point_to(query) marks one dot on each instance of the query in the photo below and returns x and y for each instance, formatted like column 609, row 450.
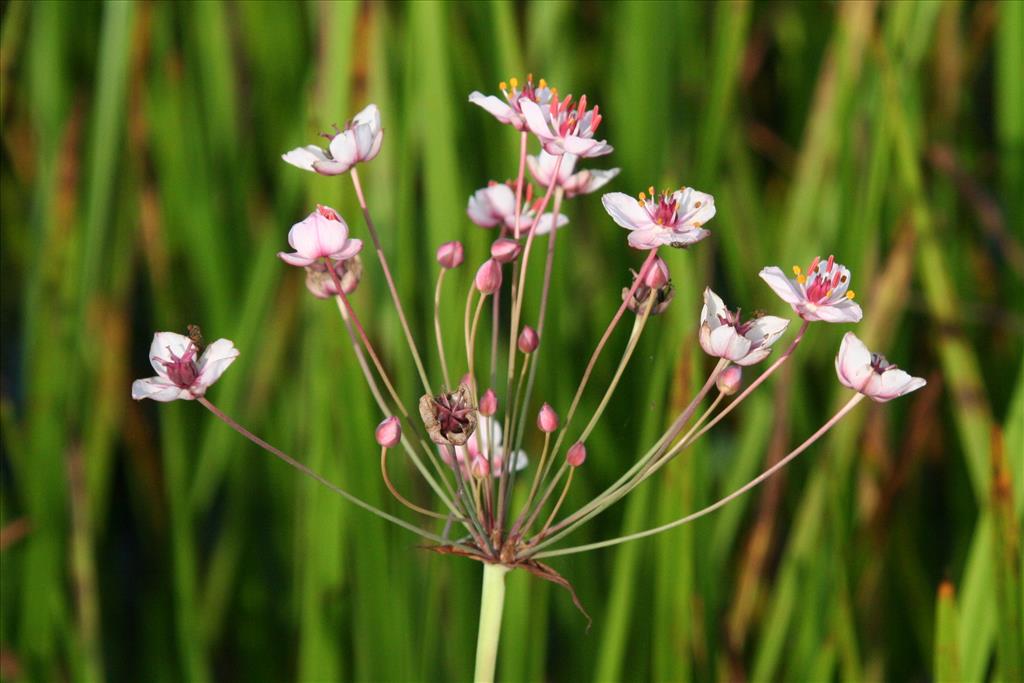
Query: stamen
column 542, row 84
column 503, row 86
column 514, row 82
column 696, row 205
column 650, row 190
column 642, row 197
column 796, row 270
column 801, row 279
column 850, row 294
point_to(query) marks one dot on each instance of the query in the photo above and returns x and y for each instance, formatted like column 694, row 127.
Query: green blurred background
column 143, row 190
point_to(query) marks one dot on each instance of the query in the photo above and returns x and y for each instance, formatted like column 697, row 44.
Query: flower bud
column 505, row 250
column 730, row 380
column 450, row 255
column 488, row 403
column 480, row 467
column 488, row 277
column 577, row 454
column 657, row 275
column 389, row 432
column 528, row 340
column 547, row 419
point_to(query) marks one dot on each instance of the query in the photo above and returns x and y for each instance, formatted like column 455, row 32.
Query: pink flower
column 576, row 454
column 565, row 127
column 730, row 381
column 509, row 111
column 476, row 454
column 870, row 373
column 586, row 181
column 528, row 340
column 179, row 373
column 359, row 141
column 674, row 219
column 723, row 335
column 323, row 234
column 547, row 419
column 823, row 293
column 496, row 205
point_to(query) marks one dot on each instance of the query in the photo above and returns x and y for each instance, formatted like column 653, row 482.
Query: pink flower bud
column 528, row 339
column 547, row 419
column 577, row 454
column 450, row 255
column 480, row 467
column 657, row 275
column 389, row 432
column 488, row 277
column 505, row 250
column 730, row 380
column 488, row 403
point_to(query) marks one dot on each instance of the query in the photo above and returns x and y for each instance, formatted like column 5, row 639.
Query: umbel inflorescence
column 493, row 501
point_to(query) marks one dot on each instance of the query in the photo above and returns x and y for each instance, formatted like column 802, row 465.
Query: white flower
column 820, row 294
column 496, row 205
column 586, row 181
column 321, row 234
column 359, row 141
column 675, row 218
column 723, row 335
column 179, row 373
column 870, row 373
column 488, row 432
column 566, row 127
column 509, row 111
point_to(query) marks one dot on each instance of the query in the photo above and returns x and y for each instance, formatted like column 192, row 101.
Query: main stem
column 492, row 602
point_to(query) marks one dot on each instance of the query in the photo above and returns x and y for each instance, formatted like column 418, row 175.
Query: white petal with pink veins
column 305, row 157
column 895, row 382
column 165, row 344
column 787, row 290
column 216, row 358
column 846, row 311
column 646, row 239
column 536, row 120
column 157, row 389
column 627, row 211
column 853, row 362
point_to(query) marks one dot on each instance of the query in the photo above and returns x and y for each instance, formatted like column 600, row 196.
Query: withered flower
column 450, row 417
column 662, row 297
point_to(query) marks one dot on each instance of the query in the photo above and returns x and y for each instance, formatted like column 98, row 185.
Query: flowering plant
column 467, row 438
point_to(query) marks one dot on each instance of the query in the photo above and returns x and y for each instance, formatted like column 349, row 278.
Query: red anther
column 831, row 262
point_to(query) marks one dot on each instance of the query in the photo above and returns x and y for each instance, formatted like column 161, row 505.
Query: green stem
column 492, row 601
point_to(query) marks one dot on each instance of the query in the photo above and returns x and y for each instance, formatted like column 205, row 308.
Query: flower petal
column 295, row 259
column 767, row 329
column 535, row 119
column 589, row 181
column 158, row 389
column 714, row 307
column 853, row 362
column 351, row 248
column 545, row 221
column 846, row 311
column 163, row 345
column 646, row 239
column 305, row 157
column 894, row 383
column 344, row 149
column 495, row 106
column 627, row 211
column 786, row 289
column 212, row 364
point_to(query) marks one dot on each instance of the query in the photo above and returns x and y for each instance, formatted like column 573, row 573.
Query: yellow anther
column 503, row 86
column 801, row 279
column 658, row 221
column 514, row 82
column 529, row 77
column 651, row 190
column 796, row 270
column 850, row 295
column 642, row 197
column 542, row 84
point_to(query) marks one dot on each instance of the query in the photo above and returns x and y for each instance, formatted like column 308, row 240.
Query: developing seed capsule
column 730, row 380
column 576, row 454
column 389, row 432
column 528, row 340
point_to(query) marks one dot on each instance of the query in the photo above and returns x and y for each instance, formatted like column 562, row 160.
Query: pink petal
column 295, row 259
column 177, row 344
column 845, row 311
column 586, row 182
column 536, row 120
column 544, row 224
column 351, row 248
column 368, row 117
column 330, row 168
column 495, row 106
column 853, row 362
column 894, row 383
column 713, row 308
column 767, row 329
column 344, row 149
column 646, row 239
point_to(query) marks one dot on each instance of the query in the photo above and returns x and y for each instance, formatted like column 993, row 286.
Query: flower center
column 181, row 370
column 879, row 363
column 572, row 118
column 328, row 213
column 822, row 279
column 453, row 416
column 663, row 209
column 539, row 93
